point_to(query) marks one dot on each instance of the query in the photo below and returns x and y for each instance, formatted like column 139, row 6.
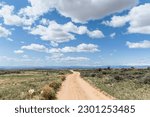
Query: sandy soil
column 75, row 88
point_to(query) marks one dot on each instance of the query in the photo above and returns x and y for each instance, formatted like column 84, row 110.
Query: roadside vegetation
column 30, row 84
column 125, row 83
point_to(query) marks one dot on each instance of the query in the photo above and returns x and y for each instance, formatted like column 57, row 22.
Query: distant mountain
column 66, row 67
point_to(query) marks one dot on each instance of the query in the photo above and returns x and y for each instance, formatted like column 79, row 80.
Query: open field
column 30, row 84
column 122, row 83
column 106, row 83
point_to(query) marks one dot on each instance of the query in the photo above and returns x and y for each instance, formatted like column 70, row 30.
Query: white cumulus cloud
column 59, row 33
column 138, row 19
column 4, row 32
column 7, row 13
column 84, row 10
column 142, row 44
column 117, row 21
column 18, row 51
column 95, row 34
column 78, row 10
column 37, row 7
column 35, row 47
column 81, row 48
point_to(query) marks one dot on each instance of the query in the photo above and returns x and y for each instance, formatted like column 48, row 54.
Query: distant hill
column 66, row 67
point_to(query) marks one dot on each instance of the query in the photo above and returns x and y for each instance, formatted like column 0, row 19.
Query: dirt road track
column 75, row 88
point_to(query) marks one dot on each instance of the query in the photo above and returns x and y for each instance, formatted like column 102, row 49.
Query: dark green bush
column 118, row 77
column 147, row 80
column 92, row 75
column 104, row 72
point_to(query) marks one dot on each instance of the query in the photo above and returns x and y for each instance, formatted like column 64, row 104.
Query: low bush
column 92, row 75
column 62, row 77
column 55, row 84
column 99, row 75
column 61, row 73
column 48, row 93
column 104, row 72
column 118, row 77
column 147, row 80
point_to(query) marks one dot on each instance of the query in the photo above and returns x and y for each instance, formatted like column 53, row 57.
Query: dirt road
column 75, row 88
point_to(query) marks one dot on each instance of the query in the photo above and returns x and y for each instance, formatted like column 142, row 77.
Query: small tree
column 108, row 68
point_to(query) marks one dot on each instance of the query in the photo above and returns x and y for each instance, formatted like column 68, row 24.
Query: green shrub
column 92, row 75
column 148, row 68
column 55, row 84
column 99, row 75
column 147, row 80
column 118, row 78
column 104, row 72
column 61, row 73
column 99, row 69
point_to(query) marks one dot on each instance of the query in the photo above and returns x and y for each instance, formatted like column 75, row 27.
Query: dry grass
column 28, row 84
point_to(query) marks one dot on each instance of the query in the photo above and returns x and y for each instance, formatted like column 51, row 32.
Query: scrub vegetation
column 125, row 83
column 30, row 84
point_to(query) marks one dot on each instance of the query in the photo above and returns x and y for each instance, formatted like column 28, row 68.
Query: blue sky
column 74, row 32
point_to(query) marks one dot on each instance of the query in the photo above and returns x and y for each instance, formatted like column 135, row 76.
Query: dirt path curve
column 75, row 88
